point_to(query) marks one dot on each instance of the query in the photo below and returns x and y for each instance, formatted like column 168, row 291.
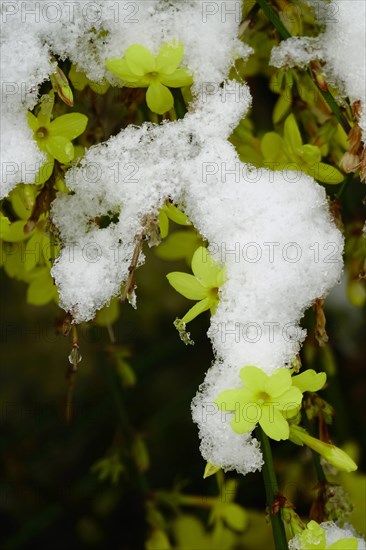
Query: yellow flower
column 313, row 538
column 141, row 69
column 268, row 400
column 203, row 285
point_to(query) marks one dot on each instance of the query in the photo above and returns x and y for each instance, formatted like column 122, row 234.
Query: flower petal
column 60, row 148
column 289, row 400
column 32, row 121
column 187, row 285
column 180, row 77
column 278, row 382
column 196, row 310
column 120, row 68
column 273, row 423
column 140, row 60
column 158, row 98
column 242, row 426
column 253, row 378
column 309, row 380
column 344, row 544
column 205, row 268
column 169, row 57
column 230, row 400
column 69, row 126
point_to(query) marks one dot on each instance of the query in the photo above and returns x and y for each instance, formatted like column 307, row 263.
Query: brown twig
column 148, row 228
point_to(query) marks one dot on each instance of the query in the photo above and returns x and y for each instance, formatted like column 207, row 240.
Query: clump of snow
column 272, row 230
column 295, row 52
column 333, row 533
column 342, row 47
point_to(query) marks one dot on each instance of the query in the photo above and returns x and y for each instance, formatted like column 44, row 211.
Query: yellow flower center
column 213, row 293
column 41, row 133
column 262, row 397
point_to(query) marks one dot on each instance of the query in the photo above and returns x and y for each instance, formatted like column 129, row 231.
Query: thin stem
column 274, row 18
column 179, row 103
column 272, row 15
column 316, row 457
column 271, row 487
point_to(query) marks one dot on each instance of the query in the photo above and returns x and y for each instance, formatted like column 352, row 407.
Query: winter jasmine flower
column 314, row 538
column 203, row 285
column 141, row 69
column 267, row 400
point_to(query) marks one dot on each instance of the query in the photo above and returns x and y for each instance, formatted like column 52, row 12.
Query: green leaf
column 34, row 249
column 78, row 78
column 99, row 87
column 272, row 147
column 163, row 223
column 292, row 134
column 176, row 215
column 4, row 226
column 235, row 516
column 282, row 107
column 327, row 174
column 250, row 155
column 108, row 314
column 158, row 540
column 187, row 285
column 42, row 289
column 179, row 245
column 22, row 200
column 310, row 154
column 69, row 126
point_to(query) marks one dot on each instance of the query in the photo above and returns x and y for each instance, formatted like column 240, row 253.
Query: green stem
column 344, row 185
column 179, row 103
column 316, row 457
column 270, row 483
column 272, row 15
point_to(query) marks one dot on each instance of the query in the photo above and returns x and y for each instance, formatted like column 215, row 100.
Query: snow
column 287, row 250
